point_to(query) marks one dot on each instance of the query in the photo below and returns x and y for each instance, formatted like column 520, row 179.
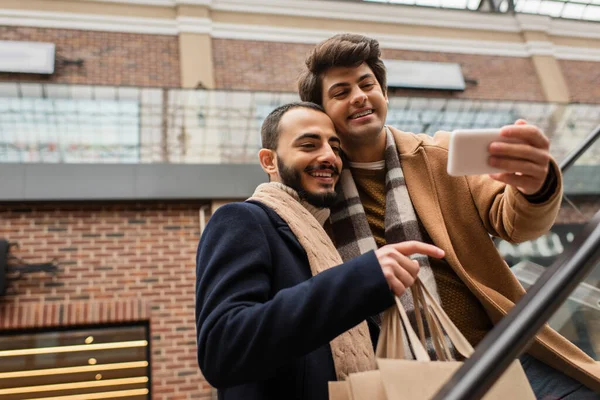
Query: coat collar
column 407, row 143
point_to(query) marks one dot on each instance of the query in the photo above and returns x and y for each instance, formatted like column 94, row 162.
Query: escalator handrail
column 508, row 339
column 573, row 156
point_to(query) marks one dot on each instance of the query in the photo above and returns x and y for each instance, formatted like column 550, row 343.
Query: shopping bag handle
column 391, row 337
column 461, row 344
column 413, row 340
column 391, row 342
column 440, row 345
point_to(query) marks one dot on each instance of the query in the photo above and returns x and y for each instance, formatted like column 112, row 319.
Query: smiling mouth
column 361, row 114
column 324, row 168
column 321, row 174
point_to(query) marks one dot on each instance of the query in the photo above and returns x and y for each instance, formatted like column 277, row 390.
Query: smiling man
column 396, row 188
column 278, row 314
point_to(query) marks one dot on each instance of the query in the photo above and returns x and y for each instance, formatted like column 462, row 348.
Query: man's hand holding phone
column 517, row 155
column 526, row 164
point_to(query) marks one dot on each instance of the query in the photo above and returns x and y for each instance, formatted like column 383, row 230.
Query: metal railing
column 508, row 339
column 576, row 154
column 50, row 123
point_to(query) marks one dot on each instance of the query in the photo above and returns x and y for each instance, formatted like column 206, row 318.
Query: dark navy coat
column 263, row 322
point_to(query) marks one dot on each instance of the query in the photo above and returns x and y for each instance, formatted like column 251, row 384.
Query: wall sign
column 27, row 57
column 424, row 75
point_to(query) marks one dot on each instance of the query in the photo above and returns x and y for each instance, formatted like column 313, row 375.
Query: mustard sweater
column 460, row 304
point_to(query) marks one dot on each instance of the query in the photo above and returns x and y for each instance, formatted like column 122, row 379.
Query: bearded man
column 278, row 314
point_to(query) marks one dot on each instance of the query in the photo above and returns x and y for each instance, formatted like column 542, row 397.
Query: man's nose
column 328, row 155
column 358, row 97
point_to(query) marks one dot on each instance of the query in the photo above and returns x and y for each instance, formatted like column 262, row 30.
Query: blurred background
column 125, row 124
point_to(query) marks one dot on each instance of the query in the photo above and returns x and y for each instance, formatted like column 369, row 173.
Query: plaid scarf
column 353, row 236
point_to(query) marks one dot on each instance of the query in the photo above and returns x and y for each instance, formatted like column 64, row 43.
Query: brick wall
column 254, row 65
column 583, row 79
column 110, row 58
column 498, row 78
column 112, row 256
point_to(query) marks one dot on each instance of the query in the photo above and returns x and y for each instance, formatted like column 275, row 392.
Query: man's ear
column 268, row 161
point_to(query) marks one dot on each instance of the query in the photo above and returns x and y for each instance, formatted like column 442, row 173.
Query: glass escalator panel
column 578, row 319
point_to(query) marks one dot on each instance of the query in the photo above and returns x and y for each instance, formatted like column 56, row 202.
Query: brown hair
column 342, row 50
column 270, row 127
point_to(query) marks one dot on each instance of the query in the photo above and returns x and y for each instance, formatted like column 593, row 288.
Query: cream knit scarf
column 352, row 350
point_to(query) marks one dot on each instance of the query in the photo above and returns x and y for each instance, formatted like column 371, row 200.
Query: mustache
column 315, row 167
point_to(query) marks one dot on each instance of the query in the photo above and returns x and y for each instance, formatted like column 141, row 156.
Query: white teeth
column 322, row 175
column 361, row 114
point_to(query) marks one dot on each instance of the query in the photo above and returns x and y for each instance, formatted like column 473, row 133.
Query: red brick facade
column 497, row 78
column 134, row 261
column 109, row 58
column 253, row 65
column 583, row 80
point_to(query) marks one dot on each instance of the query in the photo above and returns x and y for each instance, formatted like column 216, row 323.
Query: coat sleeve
column 506, row 212
column 245, row 331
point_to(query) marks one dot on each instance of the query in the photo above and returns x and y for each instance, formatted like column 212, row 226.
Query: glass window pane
column 106, row 362
column 69, row 130
column 574, row 11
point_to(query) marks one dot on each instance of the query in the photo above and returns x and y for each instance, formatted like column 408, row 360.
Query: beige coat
column 459, row 212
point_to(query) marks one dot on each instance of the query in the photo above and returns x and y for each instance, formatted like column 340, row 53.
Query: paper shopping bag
column 421, row 379
column 417, row 380
column 339, row 390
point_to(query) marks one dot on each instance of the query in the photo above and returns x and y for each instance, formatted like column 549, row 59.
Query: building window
column 69, row 130
column 100, row 362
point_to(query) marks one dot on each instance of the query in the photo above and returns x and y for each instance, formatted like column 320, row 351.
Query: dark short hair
column 342, row 50
column 270, row 127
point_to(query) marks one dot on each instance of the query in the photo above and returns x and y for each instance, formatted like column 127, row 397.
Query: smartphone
column 468, row 151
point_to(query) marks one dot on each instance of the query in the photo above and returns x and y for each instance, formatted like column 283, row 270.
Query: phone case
column 468, row 151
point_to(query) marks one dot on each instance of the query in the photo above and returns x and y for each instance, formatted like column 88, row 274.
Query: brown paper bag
column 417, row 380
column 422, row 378
column 339, row 391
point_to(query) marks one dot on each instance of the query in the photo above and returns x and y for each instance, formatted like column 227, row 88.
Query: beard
column 291, row 178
